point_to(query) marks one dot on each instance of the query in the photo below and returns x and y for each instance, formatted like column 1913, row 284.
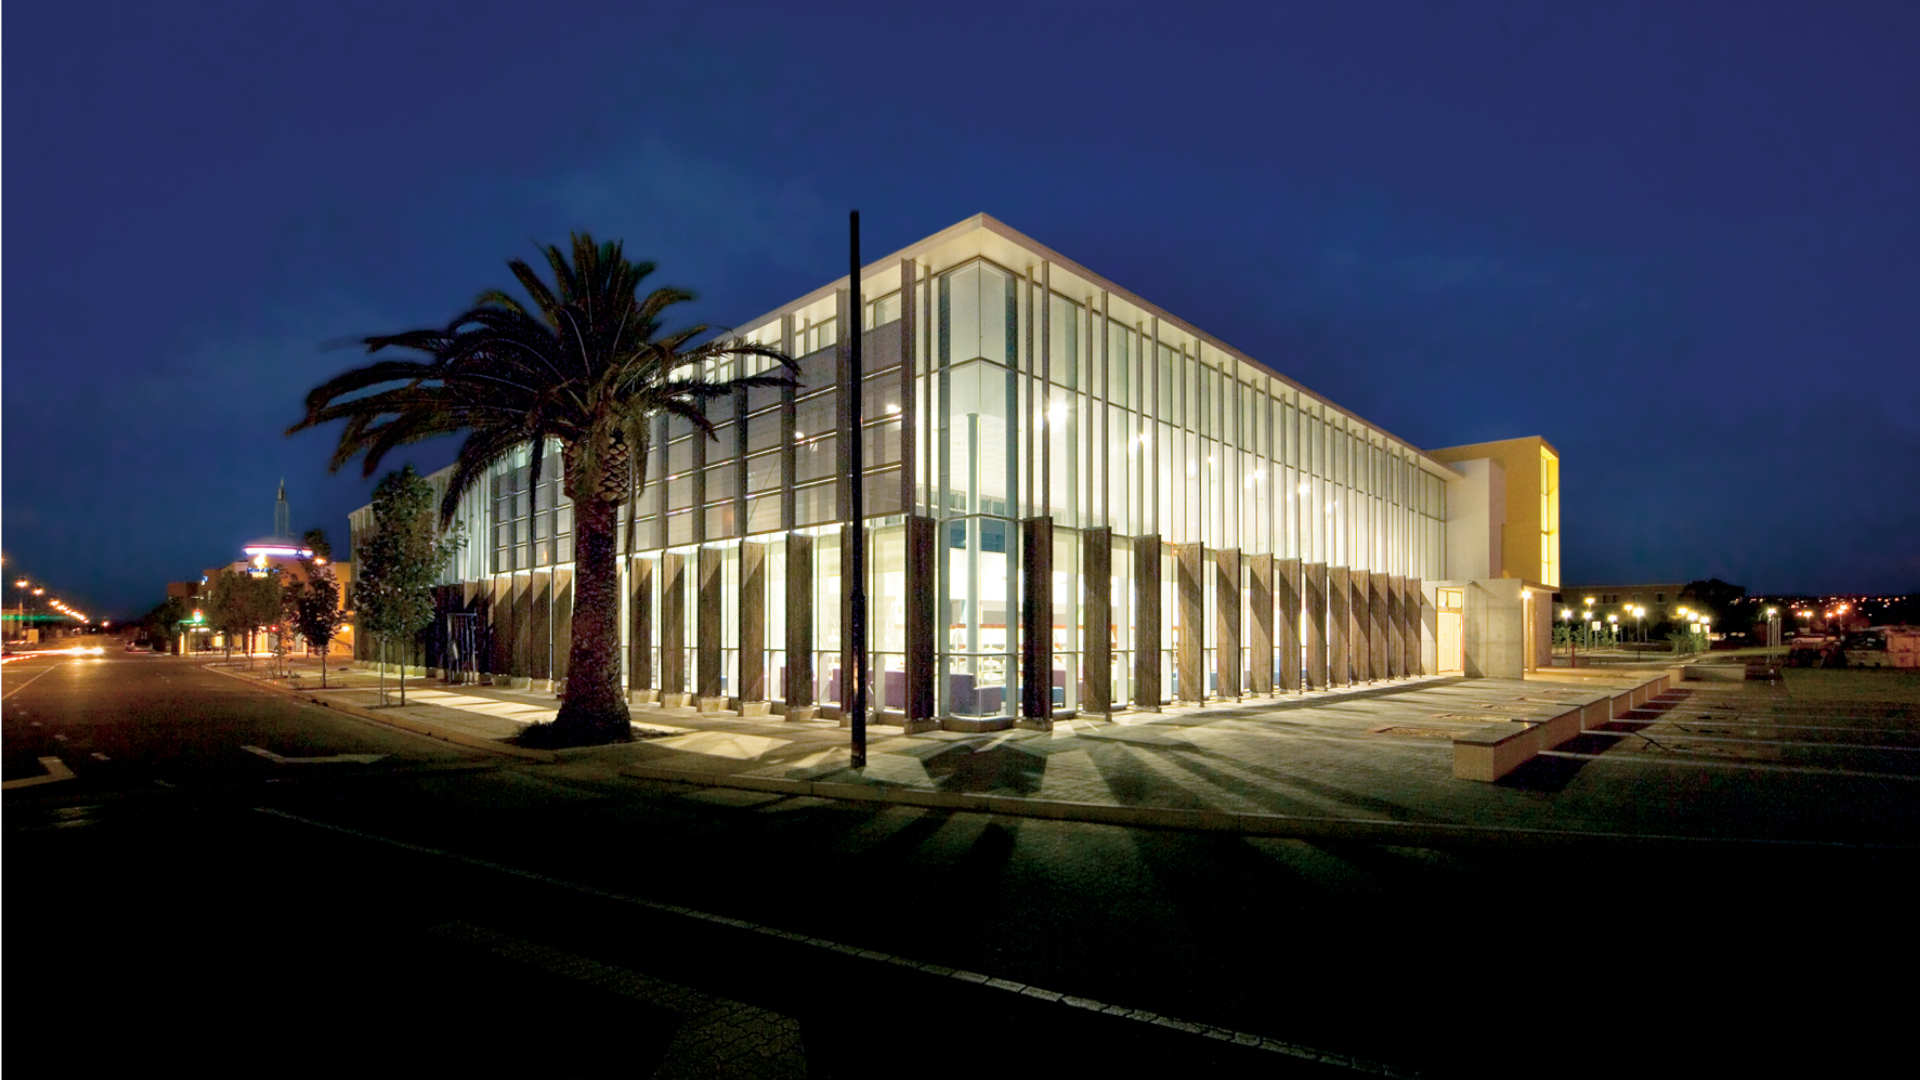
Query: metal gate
column 462, row 654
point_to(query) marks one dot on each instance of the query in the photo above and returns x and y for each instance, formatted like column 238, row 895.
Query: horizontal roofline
column 989, row 223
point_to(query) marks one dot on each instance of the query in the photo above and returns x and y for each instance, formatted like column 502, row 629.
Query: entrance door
column 1449, row 636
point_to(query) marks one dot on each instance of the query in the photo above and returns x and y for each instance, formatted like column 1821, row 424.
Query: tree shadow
column 1002, row 767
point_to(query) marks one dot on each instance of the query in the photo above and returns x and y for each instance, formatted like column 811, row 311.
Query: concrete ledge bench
column 1491, row 752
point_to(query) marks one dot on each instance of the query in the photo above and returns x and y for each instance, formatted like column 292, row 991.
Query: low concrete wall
column 1497, row 749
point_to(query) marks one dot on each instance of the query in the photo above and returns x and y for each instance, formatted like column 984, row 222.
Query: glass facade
column 999, row 387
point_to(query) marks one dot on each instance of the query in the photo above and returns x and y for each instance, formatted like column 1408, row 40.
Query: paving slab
column 1703, row 761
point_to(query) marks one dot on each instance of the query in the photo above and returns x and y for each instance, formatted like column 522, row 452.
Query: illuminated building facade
column 1076, row 503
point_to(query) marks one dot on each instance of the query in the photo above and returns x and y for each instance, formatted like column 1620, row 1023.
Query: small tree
column 228, row 608
column 396, row 564
column 316, row 602
column 160, row 623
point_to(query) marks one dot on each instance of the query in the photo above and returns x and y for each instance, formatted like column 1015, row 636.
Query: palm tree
column 587, row 364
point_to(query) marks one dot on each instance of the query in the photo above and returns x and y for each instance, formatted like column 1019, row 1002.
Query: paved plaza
column 1707, row 761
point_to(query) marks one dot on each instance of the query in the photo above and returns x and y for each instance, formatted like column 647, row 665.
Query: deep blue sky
column 1679, row 241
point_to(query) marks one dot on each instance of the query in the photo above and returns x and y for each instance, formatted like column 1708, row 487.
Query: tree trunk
column 595, row 710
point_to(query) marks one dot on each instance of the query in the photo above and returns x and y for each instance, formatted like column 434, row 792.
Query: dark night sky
column 1680, row 241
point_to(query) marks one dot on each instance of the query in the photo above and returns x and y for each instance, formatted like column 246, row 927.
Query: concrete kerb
column 403, row 723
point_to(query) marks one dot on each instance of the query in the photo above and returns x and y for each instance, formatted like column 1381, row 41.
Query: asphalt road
column 189, row 903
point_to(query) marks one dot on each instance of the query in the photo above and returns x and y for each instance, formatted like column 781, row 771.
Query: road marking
column 59, row 738
column 163, row 783
column 30, row 682
column 98, row 756
column 336, row 759
column 56, row 771
column 1139, row 1016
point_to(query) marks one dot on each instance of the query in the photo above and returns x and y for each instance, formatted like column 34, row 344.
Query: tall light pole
column 857, row 703
column 1773, row 636
column 1573, row 653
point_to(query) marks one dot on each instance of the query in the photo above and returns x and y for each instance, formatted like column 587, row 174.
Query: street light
column 1613, row 628
column 20, row 616
column 1573, row 654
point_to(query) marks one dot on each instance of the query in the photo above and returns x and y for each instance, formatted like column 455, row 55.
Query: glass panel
column 763, row 472
column 723, row 481
column 816, row 503
column 816, row 459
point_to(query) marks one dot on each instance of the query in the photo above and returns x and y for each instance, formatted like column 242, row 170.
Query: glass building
column 1076, row 503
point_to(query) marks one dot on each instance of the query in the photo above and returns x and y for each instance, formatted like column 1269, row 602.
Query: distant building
column 1661, row 599
column 279, row 555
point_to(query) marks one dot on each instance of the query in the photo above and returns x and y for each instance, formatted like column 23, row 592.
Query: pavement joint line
column 56, row 771
column 1265, row 1044
column 1283, row 826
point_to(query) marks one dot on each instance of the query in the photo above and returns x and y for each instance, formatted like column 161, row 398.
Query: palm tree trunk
column 595, row 709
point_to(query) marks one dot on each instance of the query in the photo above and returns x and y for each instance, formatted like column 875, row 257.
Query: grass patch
column 1853, row 684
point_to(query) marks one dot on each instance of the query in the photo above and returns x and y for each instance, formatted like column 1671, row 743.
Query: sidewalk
column 1371, row 764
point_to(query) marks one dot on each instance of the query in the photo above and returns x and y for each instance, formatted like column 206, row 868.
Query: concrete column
column 1260, row 628
column 1289, row 629
column 1226, row 590
column 1190, row 594
column 1036, row 624
column 1359, row 625
column 1380, row 625
column 1414, row 618
column 1339, row 625
column 522, row 626
column 923, row 553
column 799, row 636
column 640, row 624
column 1314, row 586
column 1096, row 611
column 1147, row 694
column 707, row 621
column 1397, row 626
column 562, row 622
column 673, row 625
column 499, row 628
column 753, row 622
column 540, row 634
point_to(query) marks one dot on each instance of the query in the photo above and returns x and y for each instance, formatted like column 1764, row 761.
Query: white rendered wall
column 1476, row 512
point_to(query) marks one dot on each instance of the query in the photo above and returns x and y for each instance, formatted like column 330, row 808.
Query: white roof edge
column 989, row 223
